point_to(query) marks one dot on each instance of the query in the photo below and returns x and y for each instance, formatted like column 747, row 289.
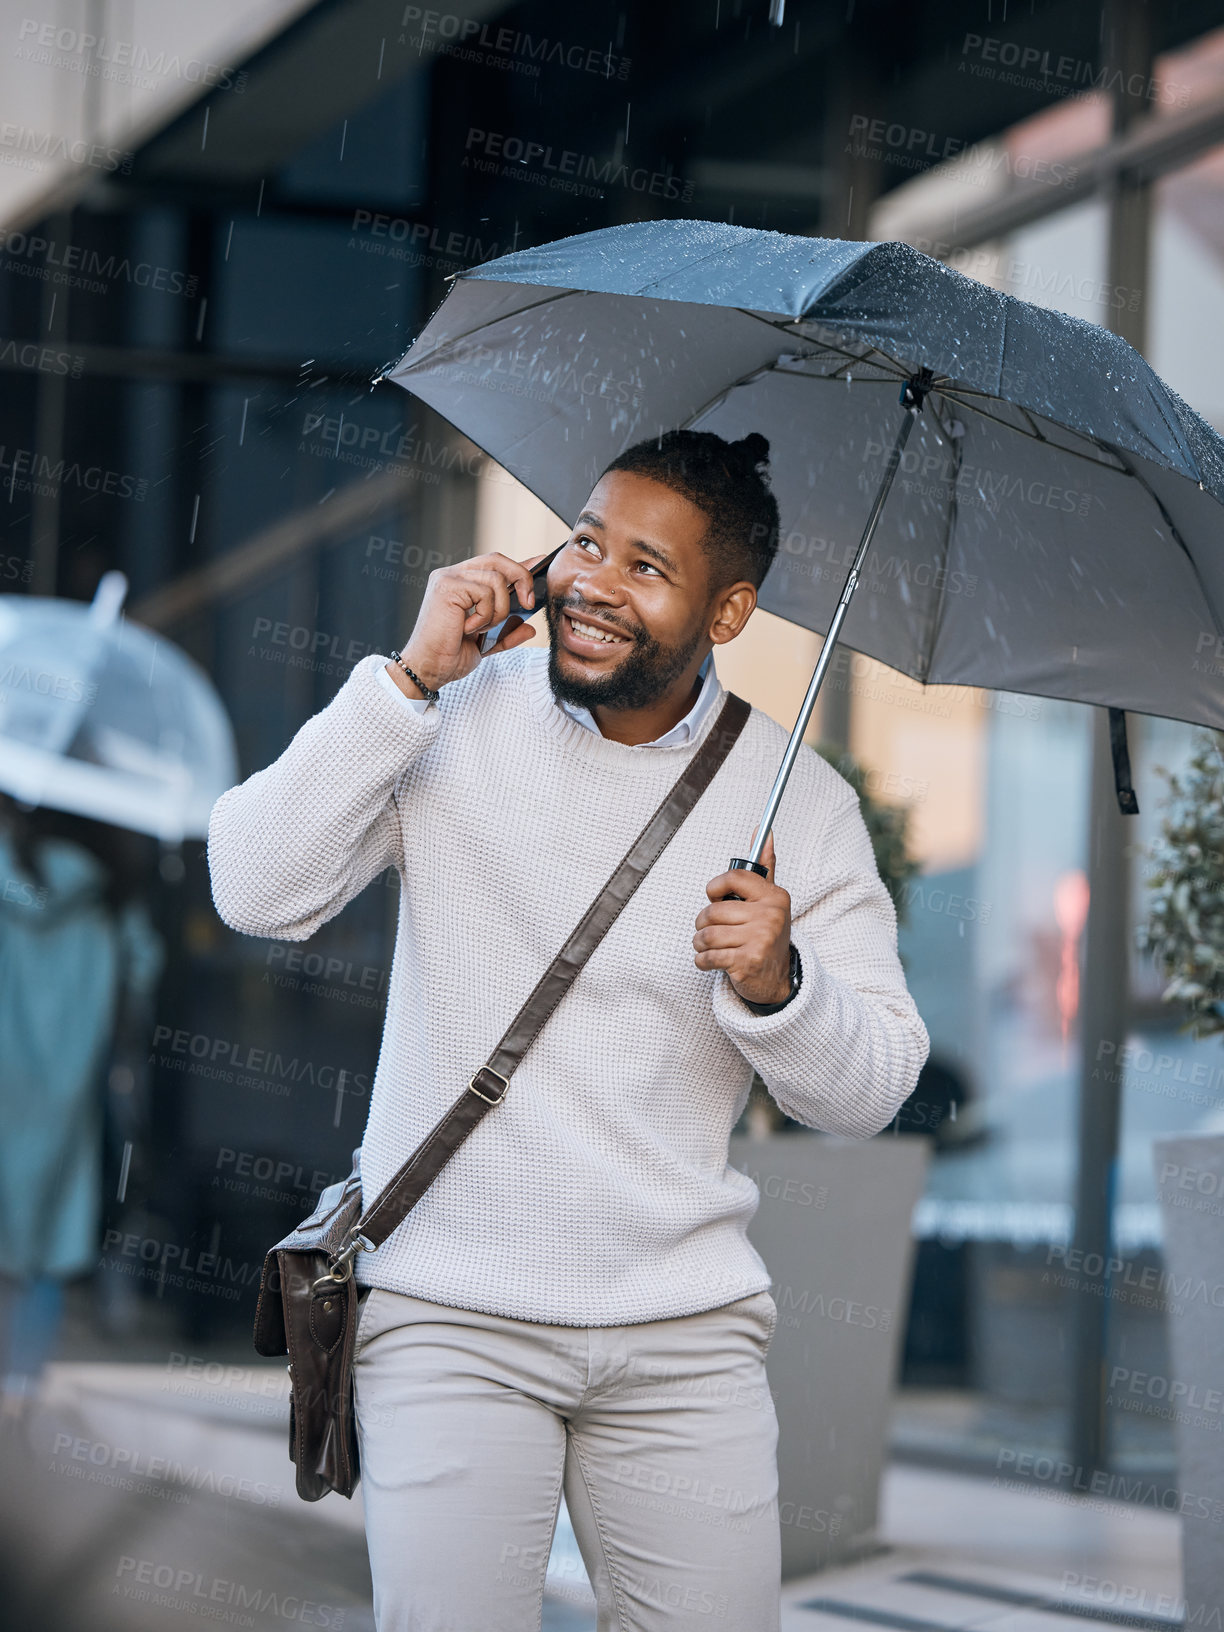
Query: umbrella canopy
column 1057, row 524
column 104, row 719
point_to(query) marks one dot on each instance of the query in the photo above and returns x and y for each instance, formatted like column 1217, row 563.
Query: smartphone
column 493, row 634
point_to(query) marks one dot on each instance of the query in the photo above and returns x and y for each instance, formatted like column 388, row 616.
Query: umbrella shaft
column 830, row 640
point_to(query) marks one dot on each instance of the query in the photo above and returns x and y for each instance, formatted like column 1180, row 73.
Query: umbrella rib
column 949, row 390
column 1177, row 539
column 725, row 391
column 647, row 288
column 954, row 393
column 755, row 373
column 1102, row 447
column 957, row 444
column 457, row 339
column 1036, row 429
column 855, row 362
column 872, row 356
column 838, row 351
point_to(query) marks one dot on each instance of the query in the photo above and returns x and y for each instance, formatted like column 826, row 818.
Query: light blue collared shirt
column 683, row 731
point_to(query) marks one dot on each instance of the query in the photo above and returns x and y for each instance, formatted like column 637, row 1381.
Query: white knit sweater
column 598, row 1192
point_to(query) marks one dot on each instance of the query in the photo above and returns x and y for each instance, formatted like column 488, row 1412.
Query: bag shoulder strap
column 488, row 1087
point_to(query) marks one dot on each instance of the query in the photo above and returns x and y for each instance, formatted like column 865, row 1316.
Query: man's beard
column 638, row 680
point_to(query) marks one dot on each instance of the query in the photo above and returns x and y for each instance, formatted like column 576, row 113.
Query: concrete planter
column 834, row 1228
column 1190, row 1185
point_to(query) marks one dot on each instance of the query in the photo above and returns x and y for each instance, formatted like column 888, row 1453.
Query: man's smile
column 587, row 638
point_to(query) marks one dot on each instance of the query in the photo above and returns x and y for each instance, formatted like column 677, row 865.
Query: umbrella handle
column 739, row 864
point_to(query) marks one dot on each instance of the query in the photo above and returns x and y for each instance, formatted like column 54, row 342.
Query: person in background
column 76, row 947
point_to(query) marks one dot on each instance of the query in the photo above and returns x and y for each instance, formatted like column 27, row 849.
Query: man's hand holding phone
column 460, row 605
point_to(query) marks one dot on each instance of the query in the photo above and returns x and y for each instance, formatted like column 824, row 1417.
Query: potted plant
column 1184, row 930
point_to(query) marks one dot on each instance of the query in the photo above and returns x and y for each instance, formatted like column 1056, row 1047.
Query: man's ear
column 732, row 608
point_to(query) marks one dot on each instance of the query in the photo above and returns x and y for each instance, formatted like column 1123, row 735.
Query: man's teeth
column 589, row 632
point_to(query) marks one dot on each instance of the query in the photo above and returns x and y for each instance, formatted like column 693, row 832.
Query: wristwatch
column 796, row 980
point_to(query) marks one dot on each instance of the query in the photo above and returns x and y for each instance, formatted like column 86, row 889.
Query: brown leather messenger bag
column 307, row 1305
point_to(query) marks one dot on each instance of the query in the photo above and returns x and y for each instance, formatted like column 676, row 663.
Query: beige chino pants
column 662, row 1435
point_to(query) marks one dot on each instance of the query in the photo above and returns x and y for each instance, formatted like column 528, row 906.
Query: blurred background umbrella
column 103, row 719
column 106, row 732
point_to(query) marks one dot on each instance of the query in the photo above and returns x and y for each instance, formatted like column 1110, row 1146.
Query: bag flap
column 270, row 1339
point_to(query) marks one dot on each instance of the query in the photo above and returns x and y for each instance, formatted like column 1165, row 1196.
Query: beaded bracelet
column 427, row 692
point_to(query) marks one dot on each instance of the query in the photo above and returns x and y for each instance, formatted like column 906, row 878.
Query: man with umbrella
column 574, row 1303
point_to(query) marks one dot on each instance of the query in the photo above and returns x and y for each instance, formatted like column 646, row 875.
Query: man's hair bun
column 754, row 447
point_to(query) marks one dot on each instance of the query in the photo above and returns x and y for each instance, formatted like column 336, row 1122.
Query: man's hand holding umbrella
column 746, row 931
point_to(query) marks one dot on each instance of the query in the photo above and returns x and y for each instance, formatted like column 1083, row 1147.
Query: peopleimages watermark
column 325, row 975
column 259, row 1391
column 1170, row 1076
column 216, row 1598
column 132, row 1470
column 76, row 267
column 399, row 562
column 29, row 149
column 1120, row 1278
column 941, row 476
column 171, row 1263
column 566, row 169
column 1135, row 1606
column 298, row 646
column 865, row 677
column 913, row 147
column 684, row 1487
column 225, row 1060
column 919, row 895
column 660, row 1382
column 39, row 359
column 124, row 62
column 1030, row 277
column 1151, row 1394
column 986, row 56
column 419, row 243
column 262, row 1391
column 794, row 1305
column 799, row 1192
column 1209, row 642
column 472, row 40
column 22, row 892
column 17, row 569
column 274, row 1179
column 300, row 637
column 25, row 470
column 1196, row 1189
column 816, row 556
column 374, row 447
column 1032, row 1466
column 67, row 688
column 525, row 373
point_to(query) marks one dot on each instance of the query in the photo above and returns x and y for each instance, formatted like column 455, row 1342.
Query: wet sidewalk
column 141, row 1497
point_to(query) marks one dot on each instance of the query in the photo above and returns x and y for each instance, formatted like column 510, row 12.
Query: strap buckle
column 488, row 1078
column 341, row 1268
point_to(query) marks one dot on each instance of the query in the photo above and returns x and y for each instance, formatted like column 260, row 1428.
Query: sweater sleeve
column 290, row 846
column 847, row 1049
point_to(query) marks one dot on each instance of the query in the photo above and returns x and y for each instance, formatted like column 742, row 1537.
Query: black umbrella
column 1061, row 530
